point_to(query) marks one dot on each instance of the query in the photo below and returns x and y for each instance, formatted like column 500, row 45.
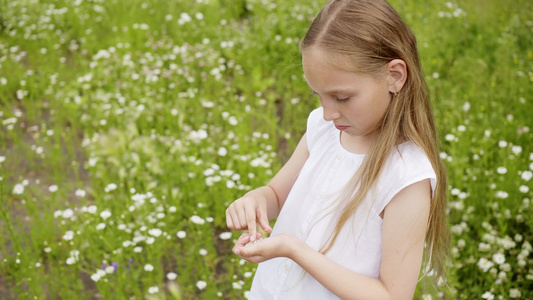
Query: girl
column 364, row 192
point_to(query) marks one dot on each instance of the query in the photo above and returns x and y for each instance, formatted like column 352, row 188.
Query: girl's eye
column 343, row 99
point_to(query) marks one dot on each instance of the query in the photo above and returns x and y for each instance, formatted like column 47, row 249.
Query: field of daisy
column 127, row 127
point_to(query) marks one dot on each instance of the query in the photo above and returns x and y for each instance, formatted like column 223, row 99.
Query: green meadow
column 128, row 127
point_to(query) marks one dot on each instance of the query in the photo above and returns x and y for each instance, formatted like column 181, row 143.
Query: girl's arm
column 264, row 203
column 404, row 228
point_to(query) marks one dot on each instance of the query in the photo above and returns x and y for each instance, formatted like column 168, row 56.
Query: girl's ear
column 397, row 72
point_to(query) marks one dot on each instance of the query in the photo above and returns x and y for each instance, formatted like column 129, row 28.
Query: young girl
column 364, row 192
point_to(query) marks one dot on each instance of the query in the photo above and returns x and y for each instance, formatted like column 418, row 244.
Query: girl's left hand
column 281, row 245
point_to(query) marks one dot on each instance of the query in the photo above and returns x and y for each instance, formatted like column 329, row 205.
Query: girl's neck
column 356, row 144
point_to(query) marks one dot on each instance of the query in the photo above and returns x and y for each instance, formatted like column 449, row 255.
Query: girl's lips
column 341, row 128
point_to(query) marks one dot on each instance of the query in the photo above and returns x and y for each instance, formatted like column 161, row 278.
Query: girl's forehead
column 317, row 54
column 317, row 58
column 320, row 60
column 330, row 80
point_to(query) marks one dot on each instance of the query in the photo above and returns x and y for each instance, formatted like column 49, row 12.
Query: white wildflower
column 502, row 194
column 485, row 264
column 451, row 138
column 92, row 209
column 222, row 151
column 18, row 189
column 225, row 235
column 236, row 286
column 501, row 170
column 202, row 134
column 233, row 120
column 110, row 187
column 148, row 268
column 105, row 214
column 230, row 184
column 197, row 220
column 201, row 284
column 69, row 235
column 95, row 277
column 71, row 261
column 516, row 149
column 80, row 193
column 156, row 232
column 515, row 293
column 67, row 213
column 488, row 296
column 527, row 175
column 498, row 258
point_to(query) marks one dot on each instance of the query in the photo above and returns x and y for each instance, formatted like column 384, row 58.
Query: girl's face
column 354, row 102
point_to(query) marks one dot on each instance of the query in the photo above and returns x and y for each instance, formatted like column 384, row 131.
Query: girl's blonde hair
column 370, row 34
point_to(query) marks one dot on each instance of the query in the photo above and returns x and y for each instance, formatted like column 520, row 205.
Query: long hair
column 370, row 34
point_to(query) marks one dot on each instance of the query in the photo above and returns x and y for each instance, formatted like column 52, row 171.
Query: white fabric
column 310, row 214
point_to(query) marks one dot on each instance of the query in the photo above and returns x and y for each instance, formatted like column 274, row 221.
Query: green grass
column 186, row 105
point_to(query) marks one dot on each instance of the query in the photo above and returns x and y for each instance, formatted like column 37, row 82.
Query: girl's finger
column 264, row 223
column 251, row 224
column 243, row 239
column 229, row 220
column 249, row 252
column 241, row 217
column 238, row 219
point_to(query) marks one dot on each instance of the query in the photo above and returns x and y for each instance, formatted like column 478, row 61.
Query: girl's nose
column 331, row 112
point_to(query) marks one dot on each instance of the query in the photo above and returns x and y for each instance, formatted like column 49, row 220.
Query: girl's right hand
column 279, row 245
column 245, row 212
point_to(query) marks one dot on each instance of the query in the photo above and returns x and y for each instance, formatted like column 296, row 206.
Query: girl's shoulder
column 407, row 163
column 408, row 152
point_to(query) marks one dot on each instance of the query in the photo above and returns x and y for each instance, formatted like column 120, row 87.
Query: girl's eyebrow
column 331, row 92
